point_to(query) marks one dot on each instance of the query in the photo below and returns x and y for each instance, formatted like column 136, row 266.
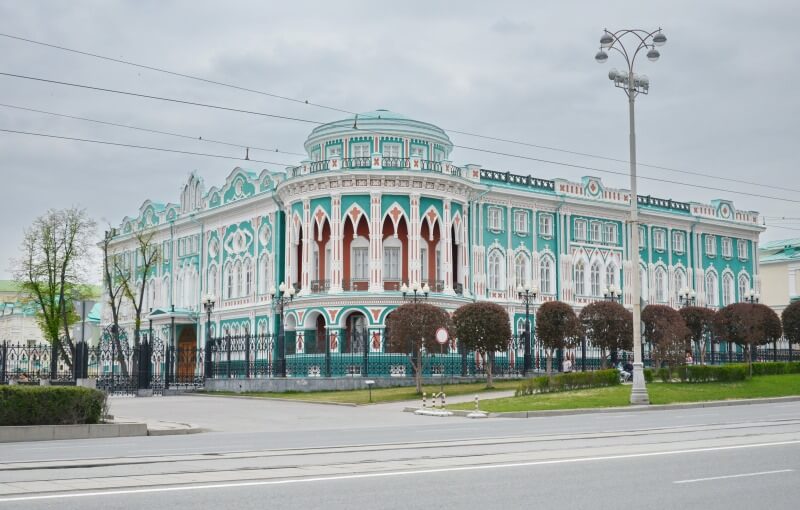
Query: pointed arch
column 744, row 285
column 496, row 270
column 547, row 274
column 728, row 288
column 710, row 289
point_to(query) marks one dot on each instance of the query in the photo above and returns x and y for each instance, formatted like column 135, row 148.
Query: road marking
column 289, row 481
column 743, row 475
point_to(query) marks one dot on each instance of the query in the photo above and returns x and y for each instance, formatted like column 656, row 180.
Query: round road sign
column 441, row 336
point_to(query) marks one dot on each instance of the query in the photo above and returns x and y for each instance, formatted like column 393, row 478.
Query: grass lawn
column 379, row 394
column 660, row 393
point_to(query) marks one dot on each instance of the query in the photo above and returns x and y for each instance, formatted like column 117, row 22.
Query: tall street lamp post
column 612, row 293
column 280, row 298
column 527, row 295
column 633, row 85
column 208, row 306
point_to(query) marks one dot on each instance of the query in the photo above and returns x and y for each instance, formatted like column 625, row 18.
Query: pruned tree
column 115, row 276
column 665, row 330
column 607, row 325
column 146, row 258
column 700, row 321
column 52, row 269
column 748, row 325
column 413, row 331
column 483, row 327
column 791, row 322
column 557, row 327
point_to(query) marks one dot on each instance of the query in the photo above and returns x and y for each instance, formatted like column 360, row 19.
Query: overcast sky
column 723, row 97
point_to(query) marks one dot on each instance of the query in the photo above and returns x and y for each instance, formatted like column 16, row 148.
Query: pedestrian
column 566, row 365
column 689, row 358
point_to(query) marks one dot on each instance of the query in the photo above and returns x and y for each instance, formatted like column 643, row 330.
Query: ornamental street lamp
column 208, row 306
column 280, row 298
column 415, row 293
column 752, row 297
column 633, row 85
column 612, row 293
column 687, row 296
column 528, row 295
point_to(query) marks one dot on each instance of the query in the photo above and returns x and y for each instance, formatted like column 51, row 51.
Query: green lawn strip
column 660, row 393
column 378, row 394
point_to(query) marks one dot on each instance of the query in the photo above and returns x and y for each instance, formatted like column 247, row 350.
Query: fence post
column 327, row 354
column 365, row 343
column 167, row 364
column 247, row 355
column 583, row 353
column 463, row 360
column 3, row 353
column 774, row 350
column 790, row 351
column 54, row 360
column 228, row 355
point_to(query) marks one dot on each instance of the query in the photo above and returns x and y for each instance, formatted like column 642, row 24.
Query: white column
column 308, row 238
column 336, row 244
column 375, row 244
column 287, row 277
column 414, row 264
column 465, row 248
column 447, row 264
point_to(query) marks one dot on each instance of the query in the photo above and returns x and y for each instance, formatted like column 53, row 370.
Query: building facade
column 779, row 266
column 379, row 203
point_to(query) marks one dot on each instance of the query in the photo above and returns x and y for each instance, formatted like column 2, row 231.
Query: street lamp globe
column 613, row 74
column 282, row 287
column 659, row 39
column 520, row 289
column 426, row 289
column 535, row 290
column 272, row 290
column 601, row 57
column 653, row 55
column 528, row 287
column 607, row 40
column 404, row 288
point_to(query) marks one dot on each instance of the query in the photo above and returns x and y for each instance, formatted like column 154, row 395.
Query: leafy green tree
column 413, row 331
column 607, row 325
column 791, row 322
column 700, row 321
column 667, row 333
column 557, row 327
column 146, row 256
column 55, row 254
column 483, row 327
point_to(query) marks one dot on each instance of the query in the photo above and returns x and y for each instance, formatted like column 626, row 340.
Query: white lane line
column 743, row 475
column 481, row 467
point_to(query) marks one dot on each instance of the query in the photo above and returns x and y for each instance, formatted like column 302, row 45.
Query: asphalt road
column 290, row 455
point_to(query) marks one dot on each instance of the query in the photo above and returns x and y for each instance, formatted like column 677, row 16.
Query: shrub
column 664, row 374
column 772, row 368
column 648, row 375
column 705, row 373
column 569, row 381
column 50, row 405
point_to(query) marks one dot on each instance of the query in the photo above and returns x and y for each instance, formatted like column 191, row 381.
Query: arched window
column 264, row 274
column 661, row 285
column 727, row 289
column 521, row 273
column 248, row 277
column 644, row 290
column 744, row 286
column 228, row 277
column 595, row 279
column 611, row 275
column 237, row 279
column 711, row 289
column 546, row 275
column 359, row 259
column 211, row 284
column 679, row 283
column 392, row 259
column 580, row 278
column 496, row 270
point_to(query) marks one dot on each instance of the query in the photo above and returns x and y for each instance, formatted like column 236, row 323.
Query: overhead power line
column 344, row 110
column 160, row 98
column 148, row 130
column 146, row 147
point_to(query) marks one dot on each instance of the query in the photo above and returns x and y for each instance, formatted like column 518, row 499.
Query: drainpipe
column 171, row 262
column 558, row 247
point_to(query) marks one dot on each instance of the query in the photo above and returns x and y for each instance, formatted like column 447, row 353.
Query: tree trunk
column 549, row 362
column 489, row 363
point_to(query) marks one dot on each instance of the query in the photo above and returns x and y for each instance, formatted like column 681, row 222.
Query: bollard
column 443, row 404
column 476, row 404
column 423, row 400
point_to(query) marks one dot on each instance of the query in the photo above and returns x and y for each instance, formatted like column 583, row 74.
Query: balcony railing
column 388, row 162
column 356, row 284
column 318, row 286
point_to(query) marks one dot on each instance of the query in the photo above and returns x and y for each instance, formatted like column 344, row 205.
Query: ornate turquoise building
column 379, row 203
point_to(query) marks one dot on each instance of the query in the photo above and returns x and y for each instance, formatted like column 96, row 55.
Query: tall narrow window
column 596, row 232
column 727, row 250
column 611, row 275
column 679, row 284
column 742, row 248
column 580, row 230
column 391, row 259
column 595, row 280
column 521, row 277
column 744, row 286
column 521, row 222
column 611, row 233
column 661, row 285
column 546, row 225
column 580, row 279
column 248, row 277
column 496, row 270
column 546, row 275
column 360, row 150
column 677, row 242
column 711, row 245
column 360, row 259
column 727, row 289
column 711, row 289
column 423, row 257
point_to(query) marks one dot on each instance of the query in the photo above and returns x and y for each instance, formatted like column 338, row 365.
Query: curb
column 278, row 399
column 24, row 433
column 187, row 428
column 632, row 408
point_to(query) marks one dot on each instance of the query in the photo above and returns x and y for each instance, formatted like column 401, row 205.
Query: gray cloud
column 722, row 98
